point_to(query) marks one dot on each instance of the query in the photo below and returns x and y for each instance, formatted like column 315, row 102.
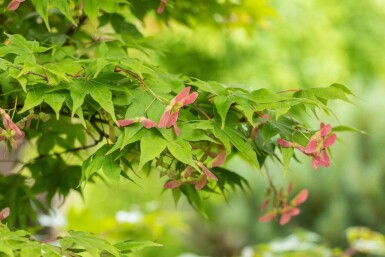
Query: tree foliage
column 73, row 91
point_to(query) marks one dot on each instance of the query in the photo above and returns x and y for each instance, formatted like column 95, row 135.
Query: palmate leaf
column 98, row 90
column 193, row 132
column 6, row 234
column 32, row 249
column 238, row 141
column 222, row 104
column 133, row 246
column 111, row 167
column 230, row 178
column 23, row 244
column 55, row 100
column 94, row 163
column 93, row 245
column 211, row 87
column 34, row 98
column 333, row 92
column 181, row 150
column 62, row 5
column 42, row 8
column 64, row 8
column 91, row 9
column 151, row 146
column 263, row 96
column 20, row 46
column 193, row 198
column 287, row 155
column 17, row 195
column 246, row 107
column 6, row 250
column 52, row 96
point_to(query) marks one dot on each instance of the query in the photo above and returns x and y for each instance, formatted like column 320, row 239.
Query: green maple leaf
column 99, row 91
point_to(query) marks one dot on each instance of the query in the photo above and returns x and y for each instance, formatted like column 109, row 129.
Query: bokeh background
column 298, row 44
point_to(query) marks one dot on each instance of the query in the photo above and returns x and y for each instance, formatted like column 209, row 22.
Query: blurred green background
column 303, row 44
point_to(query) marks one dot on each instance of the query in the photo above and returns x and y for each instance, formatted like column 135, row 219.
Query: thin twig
column 46, row 76
column 201, row 111
column 140, row 80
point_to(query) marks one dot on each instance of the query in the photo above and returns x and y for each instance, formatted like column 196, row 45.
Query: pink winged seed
column 162, row 6
column 165, row 117
column 5, row 118
column 284, row 143
column 267, row 217
column 190, row 99
column 202, row 181
column 289, row 188
column 208, row 172
column 287, row 214
column 264, row 204
column 18, row 133
column 325, row 129
column 183, row 94
column 176, row 129
column 147, row 123
column 172, row 184
column 311, row 146
column 329, row 141
column 219, row 159
column 14, row 4
column 4, row 213
column 188, row 172
column 325, row 160
column 301, row 197
column 123, row 123
column 172, row 119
